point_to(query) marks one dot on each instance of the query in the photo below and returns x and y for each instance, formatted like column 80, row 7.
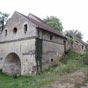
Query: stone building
column 28, row 45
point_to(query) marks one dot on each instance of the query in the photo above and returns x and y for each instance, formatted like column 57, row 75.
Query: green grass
column 27, row 82
column 71, row 62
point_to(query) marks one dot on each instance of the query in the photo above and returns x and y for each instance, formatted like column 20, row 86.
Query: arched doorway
column 12, row 64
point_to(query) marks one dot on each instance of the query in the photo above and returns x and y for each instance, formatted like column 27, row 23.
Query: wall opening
column 51, row 37
column 12, row 64
column 51, row 59
column 15, row 30
column 82, row 47
column 25, row 28
column 5, row 32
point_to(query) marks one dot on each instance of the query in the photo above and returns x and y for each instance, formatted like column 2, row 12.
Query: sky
column 72, row 13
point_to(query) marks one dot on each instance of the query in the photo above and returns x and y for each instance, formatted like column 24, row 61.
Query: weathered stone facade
column 27, row 45
column 19, row 44
column 52, row 49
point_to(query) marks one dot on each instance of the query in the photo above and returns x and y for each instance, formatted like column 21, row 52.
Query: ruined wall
column 78, row 47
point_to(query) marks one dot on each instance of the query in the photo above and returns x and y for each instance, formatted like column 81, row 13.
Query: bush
column 71, row 62
column 85, row 58
column 67, row 68
column 72, row 55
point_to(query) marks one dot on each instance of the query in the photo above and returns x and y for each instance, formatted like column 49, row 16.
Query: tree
column 54, row 22
column 3, row 19
column 86, row 46
column 77, row 33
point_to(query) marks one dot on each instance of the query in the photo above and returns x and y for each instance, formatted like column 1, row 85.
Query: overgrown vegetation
column 71, row 62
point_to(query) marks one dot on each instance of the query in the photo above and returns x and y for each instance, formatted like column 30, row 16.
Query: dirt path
column 68, row 81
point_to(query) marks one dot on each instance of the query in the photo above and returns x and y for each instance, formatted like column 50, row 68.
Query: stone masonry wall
column 25, row 50
column 19, row 42
column 18, row 21
column 23, row 43
column 52, row 52
column 52, row 49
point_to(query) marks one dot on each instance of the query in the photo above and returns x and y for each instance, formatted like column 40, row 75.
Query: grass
column 27, row 82
column 71, row 62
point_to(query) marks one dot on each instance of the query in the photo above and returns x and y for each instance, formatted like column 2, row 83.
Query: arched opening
column 12, row 64
column 15, row 30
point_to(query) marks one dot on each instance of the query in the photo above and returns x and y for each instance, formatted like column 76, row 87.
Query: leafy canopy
column 54, row 22
column 3, row 19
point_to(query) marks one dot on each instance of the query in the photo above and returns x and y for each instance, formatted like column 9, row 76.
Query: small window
column 15, row 30
column 51, row 60
column 51, row 37
column 5, row 32
column 82, row 47
column 25, row 28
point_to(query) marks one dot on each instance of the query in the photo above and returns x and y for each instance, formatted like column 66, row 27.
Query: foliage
column 72, row 55
column 85, row 58
column 70, row 39
column 77, row 33
column 71, row 62
column 54, row 22
column 77, row 85
column 3, row 19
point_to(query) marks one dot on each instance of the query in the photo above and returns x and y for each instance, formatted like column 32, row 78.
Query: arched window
column 15, row 30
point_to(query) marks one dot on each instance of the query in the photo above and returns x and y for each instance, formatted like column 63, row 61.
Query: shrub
column 71, row 62
column 85, row 58
column 66, row 68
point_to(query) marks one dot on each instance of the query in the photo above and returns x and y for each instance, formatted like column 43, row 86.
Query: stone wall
column 17, row 21
column 76, row 46
column 52, row 53
column 21, row 42
column 52, row 48
column 46, row 36
column 25, row 49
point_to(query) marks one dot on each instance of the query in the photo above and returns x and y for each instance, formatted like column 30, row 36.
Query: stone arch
column 12, row 64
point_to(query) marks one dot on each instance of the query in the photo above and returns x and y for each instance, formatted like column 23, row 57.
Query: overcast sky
column 72, row 13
